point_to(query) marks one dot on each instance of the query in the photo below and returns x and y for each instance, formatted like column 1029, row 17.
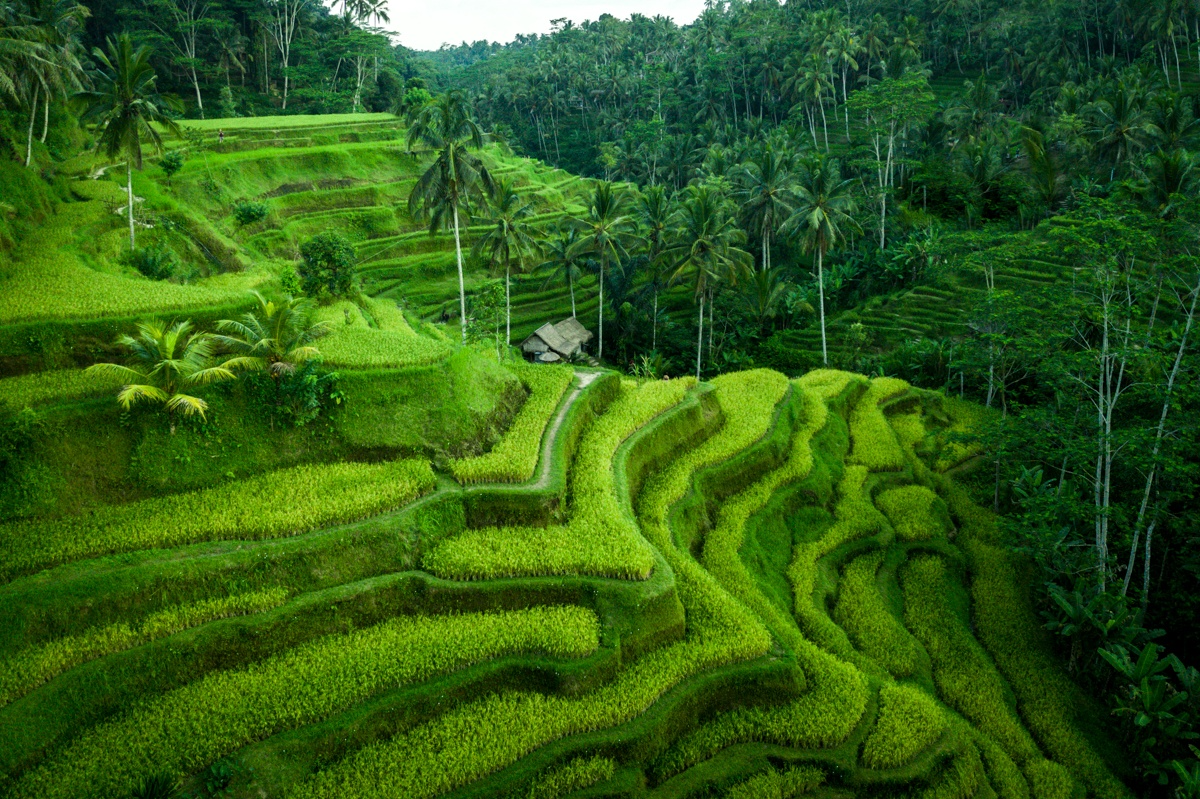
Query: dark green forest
column 996, row 202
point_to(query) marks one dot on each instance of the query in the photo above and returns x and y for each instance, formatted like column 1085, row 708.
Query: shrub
column 909, row 721
column 35, row 665
column 280, row 503
column 186, row 728
column 329, row 266
column 171, row 162
column 515, row 457
column 153, row 261
column 247, row 212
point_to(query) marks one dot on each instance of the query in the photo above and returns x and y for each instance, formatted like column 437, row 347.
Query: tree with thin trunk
column 655, row 210
column 765, row 192
column 605, row 233
column 706, row 247
column 284, row 25
column 562, row 262
column 824, row 204
column 454, row 179
column 126, row 106
column 181, row 22
column 509, row 236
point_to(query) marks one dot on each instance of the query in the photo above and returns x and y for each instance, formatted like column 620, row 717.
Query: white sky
column 427, row 24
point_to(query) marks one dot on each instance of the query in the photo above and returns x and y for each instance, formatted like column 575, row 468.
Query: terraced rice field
column 753, row 587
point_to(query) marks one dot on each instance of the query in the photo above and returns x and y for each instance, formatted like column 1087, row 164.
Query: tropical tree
column 126, row 107
column 823, row 206
column 606, row 233
column 165, row 361
column 509, row 235
column 766, row 196
column 454, row 179
column 563, row 259
column 655, row 211
column 275, row 337
column 706, row 247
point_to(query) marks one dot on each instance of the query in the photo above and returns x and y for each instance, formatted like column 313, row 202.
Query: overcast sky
column 427, row 24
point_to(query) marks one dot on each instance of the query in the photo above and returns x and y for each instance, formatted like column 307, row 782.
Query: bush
column 171, row 163
column 247, row 212
column 35, row 665
column 329, row 266
column 909, row 721
column 280, row 503
column 155, row 262
column 181, row 731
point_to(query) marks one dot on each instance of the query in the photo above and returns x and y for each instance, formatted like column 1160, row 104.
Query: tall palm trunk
column 600, row 346
column 507, row 306
column 821, row 296
column 654, row 333
column 571, row 286
column 45, row 117
column 32, row 116
column 462, row 286
column 700, row 335
column 129, row 192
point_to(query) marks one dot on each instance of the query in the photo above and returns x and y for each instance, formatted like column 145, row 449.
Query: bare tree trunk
column 654, row 334
column 1158, row 436
column 600, row 345
column 821, row 295
column 1146, row 562
column 507, row 307
column 700, row 335
column 462, row 288
column 571, row 286
column 32, row 116
column 129, row 192
column 45, row 117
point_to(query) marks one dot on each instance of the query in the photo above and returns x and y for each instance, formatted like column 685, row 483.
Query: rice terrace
column 797, row 401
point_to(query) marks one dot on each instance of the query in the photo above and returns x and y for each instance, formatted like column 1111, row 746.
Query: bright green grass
column 909, row 721
column 185, row 729
column 288, row 121
column 31, row 667
column 515, row 457
column 41, row 388
column 279, row 503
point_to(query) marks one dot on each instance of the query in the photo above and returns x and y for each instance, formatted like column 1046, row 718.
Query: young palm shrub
column 275, row 339
column 166, row 362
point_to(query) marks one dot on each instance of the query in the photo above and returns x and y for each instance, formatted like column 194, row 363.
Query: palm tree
column 125, row 103
column 1165, row 176
column 1120, row 128
column 654, row 213
column 166, row 360
column 606, row 233
column 57, row 25
column 275, row 338
column 823, row 207
column 456, row 176
column 706, row 246
column 509, row 235
column 563, row 260
column 766, row 196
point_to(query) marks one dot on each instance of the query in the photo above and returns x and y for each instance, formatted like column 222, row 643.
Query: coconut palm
column 1120, row 126
column 563, row 261
column 454, row 179
column 275, row 338
column 165, row 362
column 509, row 235
column 823, row 206
column 766, row 196
column 706, row 248
column 606, row 233
column 654, row 211
column 125, row 104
